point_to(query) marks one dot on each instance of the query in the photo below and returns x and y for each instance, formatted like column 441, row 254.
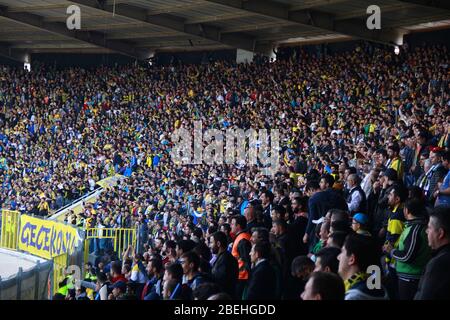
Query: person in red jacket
column 116, row 273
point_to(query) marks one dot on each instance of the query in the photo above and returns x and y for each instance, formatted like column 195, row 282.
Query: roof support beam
column 178, row 8
column 176, row 24
column 222, row 17
column 91, row 37
column 315, row 3
column 317, row 19
column 13, row 54
column 436, row 4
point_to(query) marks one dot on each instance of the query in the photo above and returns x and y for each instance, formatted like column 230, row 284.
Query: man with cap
column 118, row 290
column 360, row 223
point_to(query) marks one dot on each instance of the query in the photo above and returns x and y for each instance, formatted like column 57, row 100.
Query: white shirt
column 355, row 200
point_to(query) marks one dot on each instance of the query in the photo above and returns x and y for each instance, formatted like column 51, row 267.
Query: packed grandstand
column 362, row 182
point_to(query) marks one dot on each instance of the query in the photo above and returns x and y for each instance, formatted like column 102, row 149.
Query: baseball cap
column 120, row 285
column 361, row 218
column 319, row 221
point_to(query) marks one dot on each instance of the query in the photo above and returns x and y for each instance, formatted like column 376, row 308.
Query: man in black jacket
column 267, row 203
column 318, row 205
column 435, row 283
column 297, row 228
column 262, row 283
column 225, row 269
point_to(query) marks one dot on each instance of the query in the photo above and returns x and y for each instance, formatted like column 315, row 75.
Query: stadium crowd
column 363, row 180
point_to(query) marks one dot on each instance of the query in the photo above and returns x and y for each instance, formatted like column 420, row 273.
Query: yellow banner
column 10, row 224
column 45, row 238
column 110, row 181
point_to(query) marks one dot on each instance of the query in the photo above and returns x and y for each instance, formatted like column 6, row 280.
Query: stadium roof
column 139, row 28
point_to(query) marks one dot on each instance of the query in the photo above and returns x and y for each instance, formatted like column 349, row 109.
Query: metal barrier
column 10, row 229
column 21, row 287
column 76, row 205
column 117, row 239
column 27, row 285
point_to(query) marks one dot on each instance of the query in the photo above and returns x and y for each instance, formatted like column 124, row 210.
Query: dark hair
column 364, row 248
column 170, row 244
column 101, row 277
column 312, row 185
column 416, row 192
column 352, row 170
column 441, row 219
column 328, row 179
column 263, row 233
column 301, row 263
column 175, row 270
column 399, row 191
column 302, row 202
column 203, row 251
column 186, row 245
column 338, row 237
column 221, row 237
column 269, row 195
column 394, row 147
column 313, row 175
column 382, row 152
column 240, row 221
column 282, row 223
column 328, row 285
column 341, row 225
column 205, row 290
column 157, row 264
column 416, row 207
column 212, row 229
column 193, row 258
column 263, row 248
column 227, row 227
column 341, row 214
column 328, row 258
column 279, row 209
column 198, row 232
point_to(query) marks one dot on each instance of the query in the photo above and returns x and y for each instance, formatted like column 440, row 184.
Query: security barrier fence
column 29, row 285
column 21, row 233
column 9, row 229
column 108, row 239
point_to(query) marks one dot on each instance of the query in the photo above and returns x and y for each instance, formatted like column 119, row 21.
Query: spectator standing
column 225, row 270
column 241, row 252
column 262, row 282
column 435, row 283
column 413, row 252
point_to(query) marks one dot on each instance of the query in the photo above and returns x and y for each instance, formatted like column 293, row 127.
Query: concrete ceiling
column 139, row 28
